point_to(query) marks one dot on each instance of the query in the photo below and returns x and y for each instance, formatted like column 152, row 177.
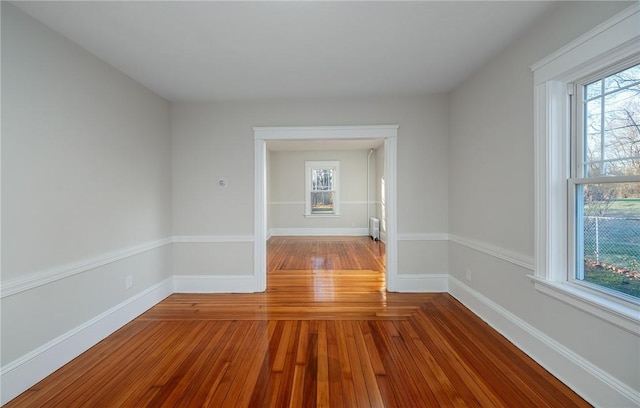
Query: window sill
column 625, row 316
column 322, row 215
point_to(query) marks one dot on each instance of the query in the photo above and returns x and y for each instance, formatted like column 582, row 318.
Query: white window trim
column 315, row 164
column 616, row 39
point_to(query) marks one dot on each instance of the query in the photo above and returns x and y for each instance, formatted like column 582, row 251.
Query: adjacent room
column 324, row 206
column 320, row 204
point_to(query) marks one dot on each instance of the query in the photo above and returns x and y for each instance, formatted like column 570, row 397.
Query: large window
column 587, row 172
column 605, row 181
column 322, row 194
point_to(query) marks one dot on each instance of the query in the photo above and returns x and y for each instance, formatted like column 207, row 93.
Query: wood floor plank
column 346, row 377
column 375, row 398
column 357, row 375
column 374, row 355
column 297, row 396
column 336, row 398
column 324, row 334
column 284, row 394
column 322, row 373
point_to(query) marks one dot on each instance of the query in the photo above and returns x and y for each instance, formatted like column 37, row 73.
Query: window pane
column 594, row 89
column 609, row 236
column 612, row 125
column 593, row 130
column 322, row 202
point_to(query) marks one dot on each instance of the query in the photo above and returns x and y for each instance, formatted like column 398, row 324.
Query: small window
column 605, row 182
column 322, row 181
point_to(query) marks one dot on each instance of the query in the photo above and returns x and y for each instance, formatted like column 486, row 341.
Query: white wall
column 211, row 140
column 86, row 199
column 286, row 184
column 492, row 217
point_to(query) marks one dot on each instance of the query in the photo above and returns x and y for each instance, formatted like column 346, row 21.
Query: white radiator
column 374, row 228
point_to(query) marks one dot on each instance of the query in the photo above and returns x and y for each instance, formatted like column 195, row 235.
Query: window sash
column 330, row 182
column 327, row 208
column 578, row 129
column 575, row 272
column 579, row 178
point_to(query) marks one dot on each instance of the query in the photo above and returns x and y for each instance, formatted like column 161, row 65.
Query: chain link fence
column 612, row 242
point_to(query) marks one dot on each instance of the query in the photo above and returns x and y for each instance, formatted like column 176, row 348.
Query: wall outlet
column 469, row 274
column 128, row 282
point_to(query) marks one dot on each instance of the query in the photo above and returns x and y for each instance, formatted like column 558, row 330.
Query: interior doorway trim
column 263, row 134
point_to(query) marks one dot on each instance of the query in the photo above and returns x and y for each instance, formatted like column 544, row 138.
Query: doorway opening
column 262, row 135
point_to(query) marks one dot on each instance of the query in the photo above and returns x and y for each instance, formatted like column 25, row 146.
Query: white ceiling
column 194, row 51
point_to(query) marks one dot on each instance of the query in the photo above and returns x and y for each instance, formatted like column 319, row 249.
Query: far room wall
column 214, row 140
column 286, row 184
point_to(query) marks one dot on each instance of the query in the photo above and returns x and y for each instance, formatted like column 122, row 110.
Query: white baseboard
column 319, row 231
column 591, row 382
column 19, row 375
column 215, row 283
column 427, row 283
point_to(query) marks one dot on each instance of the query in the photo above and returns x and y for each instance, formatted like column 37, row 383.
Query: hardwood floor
column 318, row 337
column 325, row 253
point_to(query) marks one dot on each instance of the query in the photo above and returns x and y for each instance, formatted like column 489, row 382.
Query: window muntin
column 605, row 184
column 322, row 188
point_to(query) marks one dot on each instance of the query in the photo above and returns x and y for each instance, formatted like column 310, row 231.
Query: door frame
column 263, row 134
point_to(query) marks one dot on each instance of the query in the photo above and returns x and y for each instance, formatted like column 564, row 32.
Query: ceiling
column 213, row 50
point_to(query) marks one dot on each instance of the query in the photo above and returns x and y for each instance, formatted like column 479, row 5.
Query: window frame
column 615, row 40
column 311, row 165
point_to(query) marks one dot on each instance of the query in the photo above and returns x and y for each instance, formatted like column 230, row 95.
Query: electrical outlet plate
column 128, row 283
